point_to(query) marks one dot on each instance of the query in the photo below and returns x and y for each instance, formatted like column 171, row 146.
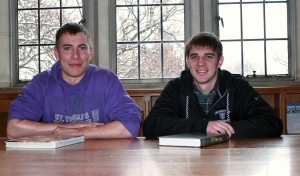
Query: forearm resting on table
column 113, row 129
column 22, row 128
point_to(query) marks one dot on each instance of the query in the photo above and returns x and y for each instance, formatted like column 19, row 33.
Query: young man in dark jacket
column 210, row 100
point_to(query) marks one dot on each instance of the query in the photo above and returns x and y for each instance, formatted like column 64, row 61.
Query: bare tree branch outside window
column 150, row 38
column 38, row 21
column 255, row 42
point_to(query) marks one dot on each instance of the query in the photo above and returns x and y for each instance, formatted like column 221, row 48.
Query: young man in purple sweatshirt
column 74, row 98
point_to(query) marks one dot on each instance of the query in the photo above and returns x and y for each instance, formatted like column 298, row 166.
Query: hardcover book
column 193, row 139
column 43, row 142
column 293, row 118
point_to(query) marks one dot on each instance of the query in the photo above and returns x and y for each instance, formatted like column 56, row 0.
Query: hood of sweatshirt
column 73, row 94
column 57, row 74
column 223, row 82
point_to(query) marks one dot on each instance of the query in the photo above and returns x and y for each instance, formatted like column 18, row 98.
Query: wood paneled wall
column 5, row 99
column 277, row 97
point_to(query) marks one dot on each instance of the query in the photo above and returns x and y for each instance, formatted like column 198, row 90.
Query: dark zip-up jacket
column 177, row 109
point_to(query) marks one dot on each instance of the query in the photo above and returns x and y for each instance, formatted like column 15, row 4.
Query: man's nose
column 201, row 61
column 75, row 54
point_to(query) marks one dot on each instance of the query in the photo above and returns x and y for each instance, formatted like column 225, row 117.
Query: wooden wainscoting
column 5, row 99
column 277, row 97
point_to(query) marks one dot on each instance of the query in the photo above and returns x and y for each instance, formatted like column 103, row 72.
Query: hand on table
column 75, row 129
column 219, row 126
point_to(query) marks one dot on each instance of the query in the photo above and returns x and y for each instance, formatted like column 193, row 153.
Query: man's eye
column 67, row 48
column 209, row 57
column 83, row 48
column 194, row 57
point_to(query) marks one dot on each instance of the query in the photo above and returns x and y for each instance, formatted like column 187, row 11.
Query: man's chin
column 202, row 81
column 76, row 74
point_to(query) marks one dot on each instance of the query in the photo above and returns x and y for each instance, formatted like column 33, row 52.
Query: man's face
column 203, row 64
column 74, row 54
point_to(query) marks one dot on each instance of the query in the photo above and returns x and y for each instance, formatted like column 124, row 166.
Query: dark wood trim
column 277, row 97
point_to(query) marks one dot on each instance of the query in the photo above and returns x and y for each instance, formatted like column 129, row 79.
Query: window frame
column 142, row 83
column 15, row 45
column 199, row 16
column 265, row 80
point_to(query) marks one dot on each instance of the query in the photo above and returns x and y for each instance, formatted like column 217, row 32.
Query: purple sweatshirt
column 98, row 97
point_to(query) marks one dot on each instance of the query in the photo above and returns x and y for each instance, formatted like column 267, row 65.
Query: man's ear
column 187, row 61
column 56, row 53
column 91, row 53
column 221, row 60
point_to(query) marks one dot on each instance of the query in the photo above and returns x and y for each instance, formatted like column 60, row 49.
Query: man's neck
column 205, row 88
column 72, row 80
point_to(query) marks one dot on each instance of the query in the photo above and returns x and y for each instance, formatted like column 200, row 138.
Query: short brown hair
column 72, row 28
column 205, row 39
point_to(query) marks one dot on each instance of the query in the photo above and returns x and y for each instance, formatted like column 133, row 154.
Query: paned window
column 150, row 38
column 255, row 37
column 37, row 23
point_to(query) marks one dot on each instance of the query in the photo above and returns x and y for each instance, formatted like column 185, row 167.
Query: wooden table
column 135, row 157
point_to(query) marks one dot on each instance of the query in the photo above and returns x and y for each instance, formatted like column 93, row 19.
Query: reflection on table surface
column 271, row 156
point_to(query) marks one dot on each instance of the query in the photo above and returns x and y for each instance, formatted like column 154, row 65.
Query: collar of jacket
column 224, row 76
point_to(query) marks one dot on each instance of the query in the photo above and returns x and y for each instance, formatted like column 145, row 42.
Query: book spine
column 69, row 141
column 214, row 140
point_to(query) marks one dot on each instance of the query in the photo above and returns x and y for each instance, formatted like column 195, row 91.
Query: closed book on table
column 43, row 142
column 193, row 139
